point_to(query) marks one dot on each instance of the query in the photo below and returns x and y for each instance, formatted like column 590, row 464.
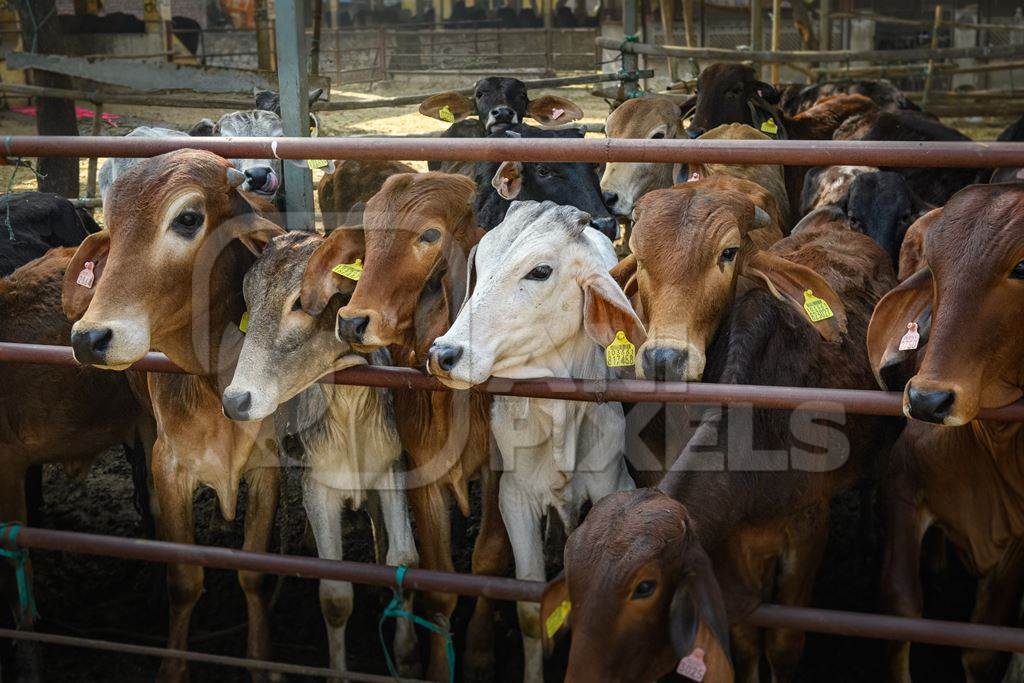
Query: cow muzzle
column 90, row 346
column 262, row 180
column 443, row 361
column 607, row 226
column 352, row 329
column 236, row 403
column 929, row 404
column 669, row 360
column 112, row 345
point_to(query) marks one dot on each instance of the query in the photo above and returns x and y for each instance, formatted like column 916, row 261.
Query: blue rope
column 26, row 602
column 395, row 610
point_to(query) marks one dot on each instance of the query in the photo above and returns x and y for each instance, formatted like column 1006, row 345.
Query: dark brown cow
column 912, row 250
column 965, row 477
column 757, row 504
column 419, row 230
column 344, row 193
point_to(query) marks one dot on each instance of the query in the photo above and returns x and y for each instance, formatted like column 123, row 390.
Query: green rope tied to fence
column 395, row 610
column 26, row 602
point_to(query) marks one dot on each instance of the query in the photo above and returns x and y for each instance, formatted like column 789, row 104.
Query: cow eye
column 297, row 304
column 644, row 589
column 729, row 255
column 540, row 273
column 1018, row 272
column 543, row 171
column 430, row 236
column 479, row 94
column 658, row 136
column 187, row 223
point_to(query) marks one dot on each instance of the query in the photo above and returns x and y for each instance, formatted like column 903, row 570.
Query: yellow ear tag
column 243, row 324
column 353, row 271
column 817, row 309
column 770, row 127
column 446, row 114
column 316, row 163
column 620, row 353
column 557, row 618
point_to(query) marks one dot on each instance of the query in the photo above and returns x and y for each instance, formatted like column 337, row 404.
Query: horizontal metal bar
column 857, row 401
column 199, row 657
column 790, row 152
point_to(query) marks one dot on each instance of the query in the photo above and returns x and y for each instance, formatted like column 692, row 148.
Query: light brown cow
column 419, row 230
column 169, row 272
column 963, row 477
column 344, row 193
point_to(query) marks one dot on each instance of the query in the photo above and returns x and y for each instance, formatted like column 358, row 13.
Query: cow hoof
column 409, row 667
column 479, row 667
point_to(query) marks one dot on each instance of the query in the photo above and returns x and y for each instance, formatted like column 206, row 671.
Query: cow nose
column 352, row 329
column 610, row 199
column 503, row 114
column 257, row 177
column 91, row 345
column 608, row 226
column 665, row 364
column 446, row 356
column 930, row 406
column 693, row 132
column 236, row 404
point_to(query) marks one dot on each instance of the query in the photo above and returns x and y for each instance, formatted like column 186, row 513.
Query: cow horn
column 235, row 177
column 761, row 218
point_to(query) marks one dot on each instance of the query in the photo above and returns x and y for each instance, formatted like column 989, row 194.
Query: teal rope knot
column 26, row 602
column 395, row 610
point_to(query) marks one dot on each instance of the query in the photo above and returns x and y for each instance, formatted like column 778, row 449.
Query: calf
column 964, row 476
column 882, row 92
column 168, row 275
column 827, row 185
column 569, row 183
column 347, row 433
column 419, row 230
column 344, row 192
column 757, row 505
column 544, row 305
column 31, row 223
column 882, row 206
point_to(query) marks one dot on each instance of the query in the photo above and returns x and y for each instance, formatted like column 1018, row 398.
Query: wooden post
column 314, row 47
column 549, row 25
column 157, row 15
column 825, row 26
column 756, row 31
column 97, row 130
column 667, row 8
column 630, row 60
column 293, row 84
column 337, row 55
column 936, row 24
column 264, row 50
column 776, row 35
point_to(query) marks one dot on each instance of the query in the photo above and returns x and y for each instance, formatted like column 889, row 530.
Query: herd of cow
column 680, row 521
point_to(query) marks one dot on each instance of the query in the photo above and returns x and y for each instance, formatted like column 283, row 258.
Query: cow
column 882, row 92
column 932, row 185
column 827, row 185
column 570, row 183
column 949, row 469
column 168, row 275
column 544, row 305
column 642, row 597
column 32, row 223
column 419, row 230
column 912, row 249
column 348, row 434
column 883, row 206
column 1012, row 133
column 343, row 193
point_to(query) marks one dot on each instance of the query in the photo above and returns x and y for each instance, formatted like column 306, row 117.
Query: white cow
column 543, row 305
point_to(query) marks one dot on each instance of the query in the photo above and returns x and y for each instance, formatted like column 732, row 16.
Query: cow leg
column 260, row 511
column 745, row 647
column 20, row 660
column 997, row 603
column 492, row 556
column 797, row 568
column 401, row 551
column 323, row 510
column 522, row 520
column 433, row 521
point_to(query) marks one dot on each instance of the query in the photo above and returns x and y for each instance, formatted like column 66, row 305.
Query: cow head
column 967, row 305
column 498, row 103
column 270, row 100
column 645, row 118
column 882, row 206
column 176, row 229
column 292, row 297
column 640, row 592
column 693, row 246
column 418, row 230
column 731, row 93
column 543, row 297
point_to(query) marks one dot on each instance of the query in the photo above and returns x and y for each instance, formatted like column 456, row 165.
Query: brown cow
column 912, row 250
column 344, row 193
column 758, row 500
column 419, row 230
column 965, row 477
column 169, row 272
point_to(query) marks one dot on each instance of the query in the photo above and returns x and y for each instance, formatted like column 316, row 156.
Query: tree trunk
column 53, row 116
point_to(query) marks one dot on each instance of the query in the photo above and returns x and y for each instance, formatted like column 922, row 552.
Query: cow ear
column 697, row 616
column 448, row 107
column 795, row 285
column 555, row 609
column 910, row 302
column 257, row 239
column 319, row 281
column 75, row 297
column 203, row 128
column 767, row 92
column 606, row 311
column 508, row 179
column 551, row 110
column 624, row 273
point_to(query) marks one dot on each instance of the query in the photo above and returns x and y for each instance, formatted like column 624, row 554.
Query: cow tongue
column 270, row 187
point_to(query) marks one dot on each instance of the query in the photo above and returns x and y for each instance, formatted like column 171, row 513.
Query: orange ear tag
column 87, row 276
column 911, row 339
column 620, row 353
column 817, row 309
column 692, row 666
column 445, row 114
column 557, row 113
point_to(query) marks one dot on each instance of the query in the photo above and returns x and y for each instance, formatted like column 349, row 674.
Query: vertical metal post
column 825, row 26
column 293, row 84
column 776, row 36
column 549, row 24
column 630, row 60
column 97, row 130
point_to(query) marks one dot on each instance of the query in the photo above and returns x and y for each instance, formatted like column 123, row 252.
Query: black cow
column 1014, row 174
column 882, row 205
column 887, row 96
column 574, row 184
column 32, row 223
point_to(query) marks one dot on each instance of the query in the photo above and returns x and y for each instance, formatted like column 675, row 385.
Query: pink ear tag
column 557, row 113
column 694, row 176
column 692, row 666
column 87, row 276
column 911, row 339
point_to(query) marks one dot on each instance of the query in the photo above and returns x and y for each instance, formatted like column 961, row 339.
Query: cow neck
column 1003, row 441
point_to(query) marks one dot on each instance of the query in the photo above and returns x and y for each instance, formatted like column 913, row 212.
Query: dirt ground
column 119, row 600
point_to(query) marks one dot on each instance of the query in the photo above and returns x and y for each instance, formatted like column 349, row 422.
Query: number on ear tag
column 692, row 666
column 620, row 353
column 817, row 309
column 557, row 618
column 770, row 127
column 314, row 164
column 911, row 339
column 557, row 113
column 87, row 276
column 353, row 271
column 445, row 114
column 243, row 324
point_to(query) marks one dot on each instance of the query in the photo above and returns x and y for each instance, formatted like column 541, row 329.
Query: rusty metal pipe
column 627, row 390
column 790, row 152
